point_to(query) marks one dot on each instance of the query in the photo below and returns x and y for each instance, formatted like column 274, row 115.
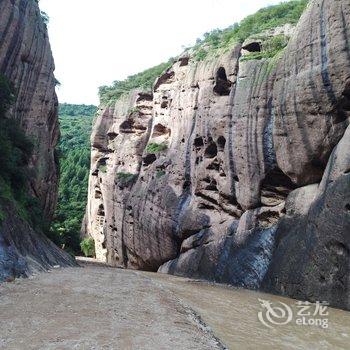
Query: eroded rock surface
column 193, row 178
column 26, row 61
column 312, row 254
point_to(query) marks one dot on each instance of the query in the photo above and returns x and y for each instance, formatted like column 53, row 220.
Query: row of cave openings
column 222, row 87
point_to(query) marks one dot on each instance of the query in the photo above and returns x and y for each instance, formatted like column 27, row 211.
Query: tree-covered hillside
column 74, row 149
column 77, row 110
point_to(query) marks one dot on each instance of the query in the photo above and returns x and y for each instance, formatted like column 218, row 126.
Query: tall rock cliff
column 235, row 169
column 27, row 65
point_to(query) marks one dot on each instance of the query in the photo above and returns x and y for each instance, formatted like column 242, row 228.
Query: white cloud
column 97, row 42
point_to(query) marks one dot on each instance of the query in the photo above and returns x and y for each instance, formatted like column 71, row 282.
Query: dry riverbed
column 97, row 307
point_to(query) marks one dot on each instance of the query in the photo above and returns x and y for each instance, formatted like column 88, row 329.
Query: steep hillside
column 234, row 167
column 74, row 149
column 29, row 133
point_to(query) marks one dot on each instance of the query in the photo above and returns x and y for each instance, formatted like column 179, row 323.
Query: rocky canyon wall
column 235, row 169
column 26, row 62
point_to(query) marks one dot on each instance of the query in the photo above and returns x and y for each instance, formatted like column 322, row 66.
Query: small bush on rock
column 103, row 168
column 160, row 173
column 156, row 147
column 125, row 177
column 88, row 247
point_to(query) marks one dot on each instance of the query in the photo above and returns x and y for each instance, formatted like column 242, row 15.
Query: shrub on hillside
column 266, row 18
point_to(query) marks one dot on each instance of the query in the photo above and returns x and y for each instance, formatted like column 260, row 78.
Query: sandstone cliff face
column 235, row 170
column 26, row 61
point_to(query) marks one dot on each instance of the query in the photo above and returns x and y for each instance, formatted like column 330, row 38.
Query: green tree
column 74, row 149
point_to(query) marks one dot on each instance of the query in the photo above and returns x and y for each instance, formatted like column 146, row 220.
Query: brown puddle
column 232, row 314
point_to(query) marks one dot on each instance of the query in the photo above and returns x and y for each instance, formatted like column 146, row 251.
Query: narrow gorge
column 234, row 167
column 226, row 166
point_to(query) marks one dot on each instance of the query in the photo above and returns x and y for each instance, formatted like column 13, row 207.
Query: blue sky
column 97, row 42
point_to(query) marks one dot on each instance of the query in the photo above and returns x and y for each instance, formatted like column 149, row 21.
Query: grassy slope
column 266, row 18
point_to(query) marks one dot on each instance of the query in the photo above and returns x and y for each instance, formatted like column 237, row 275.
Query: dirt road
column 96, row 307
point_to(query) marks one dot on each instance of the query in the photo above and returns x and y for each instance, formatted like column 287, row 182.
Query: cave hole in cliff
column 98, row 194
column 161, row 130
column 252, row 47
column 167, row 77
column 112, row 135
column 101, row 210
column 184, row 61
column 126, row 126
column 198, row 142
column 221, row 141
column 215, row 165
column 145, row 96
column 149, row 159
column 212, row 186
column 347, row 206
column 164, row 104
column 102, row 161
column 211, row 151
column 222, row 84
column 276, row 181
column 268, row 217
